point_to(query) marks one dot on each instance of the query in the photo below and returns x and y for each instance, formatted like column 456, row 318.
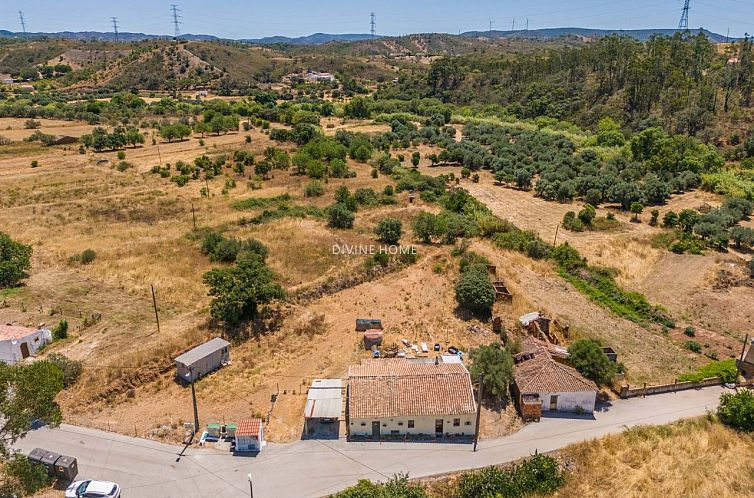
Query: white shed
column 17, row 342
column 250, row 435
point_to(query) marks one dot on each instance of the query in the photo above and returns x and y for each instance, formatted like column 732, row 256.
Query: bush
column 15, row 260
column 396, row 487
column 539, row 474
column 474, row 291
column 689, row 331
column 725, row 369
column 71, row 368
column 693, row 346
column 31, row 124
column 314, row 189
column 87, row 256
column 121, row 155
column 587, row 357
column 60, row 331
column 389, row 230
column 22, row 477
column 339, row 216
column 737, row 410
column 35, row 163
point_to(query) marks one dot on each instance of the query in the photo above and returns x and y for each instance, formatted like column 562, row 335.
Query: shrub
column 34, row 163
column 693, row 346
column 71, row 368
column 60, row 331
column 339, row 216
column 388, row 190
column 314, row 189
column 587, row 357
column 474, row 291
column 87, row 256
column 121, row 155
column 737, row 410
column 396, row 487
column 725, row 369
column 689, row 331
column 389, row 230
column 538, row 475
column 22, row 477
column 15, row 260
column 31, row 124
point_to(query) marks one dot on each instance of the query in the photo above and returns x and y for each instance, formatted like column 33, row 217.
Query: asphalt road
column 316, row 468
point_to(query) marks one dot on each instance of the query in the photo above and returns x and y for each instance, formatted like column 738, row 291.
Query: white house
column 556, row 386
column 398, row 397
column 250, row 435
column 17, row 342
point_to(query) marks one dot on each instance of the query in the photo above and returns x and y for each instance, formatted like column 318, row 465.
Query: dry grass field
column 140, row 226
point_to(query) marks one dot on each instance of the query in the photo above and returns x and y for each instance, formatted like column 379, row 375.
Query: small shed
column 324, row 406
column 18, row 343
column 202, row 360
column 372, row 337
column 250, row 435
column 364, row 324
column 64, row 140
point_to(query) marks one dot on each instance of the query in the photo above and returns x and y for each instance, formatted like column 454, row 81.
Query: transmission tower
column 491, row 21
column 513, row 25
column 114, row 20
column 527, row 24
column 23, row 22
column 176, row 19
column 683, row 25
column 372, row 24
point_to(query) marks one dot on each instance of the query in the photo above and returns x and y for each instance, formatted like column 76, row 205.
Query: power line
column 115, row 27
column 683, row 25
column 176, row 16
column 372, row 24
column 23, row 22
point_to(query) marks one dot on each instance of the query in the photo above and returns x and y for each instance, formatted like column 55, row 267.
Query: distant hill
column 550, row 33
column 322, row 38
column 315, row 39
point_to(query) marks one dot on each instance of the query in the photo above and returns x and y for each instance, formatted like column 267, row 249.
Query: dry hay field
column 139, row 225
column 683, row 284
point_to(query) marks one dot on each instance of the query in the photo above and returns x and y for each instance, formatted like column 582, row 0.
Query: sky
column 255, row 19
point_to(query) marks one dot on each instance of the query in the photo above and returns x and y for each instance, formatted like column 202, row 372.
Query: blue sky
column 253, row 19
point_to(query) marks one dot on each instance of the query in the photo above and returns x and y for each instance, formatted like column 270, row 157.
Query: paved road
column 316, row 468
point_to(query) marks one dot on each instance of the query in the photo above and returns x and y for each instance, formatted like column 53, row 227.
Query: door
column 554, row 402
column 439, row 427
column 376, row 429
column 24, row 350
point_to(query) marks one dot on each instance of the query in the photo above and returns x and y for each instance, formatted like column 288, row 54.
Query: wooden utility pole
column 193, row 398
column 193, row 214
column 738, row 363
column 555, row 242
column 478, row 409
column 154, row 303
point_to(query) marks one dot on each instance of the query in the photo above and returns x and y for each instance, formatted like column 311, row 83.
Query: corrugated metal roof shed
column 323, row 408
column 199, row 352
column 327, row 384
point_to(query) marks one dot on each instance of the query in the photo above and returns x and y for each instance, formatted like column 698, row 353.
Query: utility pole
column 251, row 488
column 683, row 25
column 176, row 16
column 23, row 22
column 115, row 27
column 193, row 397
column 738, row 363
column 372, row 24
column 527, row 24
column 490, row 26
column 478, row 408
column 193, row 214
column 555, row 242
column 154, row 303
column 513, row 25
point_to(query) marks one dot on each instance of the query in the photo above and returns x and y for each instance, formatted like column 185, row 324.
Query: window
column 363, row 424
column 456, row 422
column 468, row 422
column 410, row 424
column 400, row 424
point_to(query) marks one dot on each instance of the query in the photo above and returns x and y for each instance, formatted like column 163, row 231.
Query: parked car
column 453, row 350
column 437, row 346
column 93, row 489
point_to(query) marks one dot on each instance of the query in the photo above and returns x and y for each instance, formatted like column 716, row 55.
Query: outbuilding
column 324, row 407
column 202, row 360
column 250, row 435
column 18, row 343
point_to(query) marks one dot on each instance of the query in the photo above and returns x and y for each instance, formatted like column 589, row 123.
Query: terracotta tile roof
column 249, row 427
column 542, row 374
column 14, row 332
column 397, row 387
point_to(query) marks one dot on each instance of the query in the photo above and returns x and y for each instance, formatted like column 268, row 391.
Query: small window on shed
column 468, row 422
column 410, row 424
column 456, row 422
column 400, row 423
column 363, row 424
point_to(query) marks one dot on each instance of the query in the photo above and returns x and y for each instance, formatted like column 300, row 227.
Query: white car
column 93, row 489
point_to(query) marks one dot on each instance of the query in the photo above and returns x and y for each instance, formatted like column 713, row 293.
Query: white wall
column 10, row 349
column 571, row 402
column 422, row 425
